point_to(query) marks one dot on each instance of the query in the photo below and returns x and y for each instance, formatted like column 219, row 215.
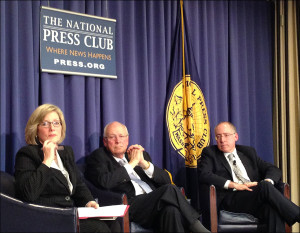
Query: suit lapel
column 225, row 162
column 246, row 164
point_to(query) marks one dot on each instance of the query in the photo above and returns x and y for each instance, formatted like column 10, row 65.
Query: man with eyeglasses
column 244, row 182
column 154, row 201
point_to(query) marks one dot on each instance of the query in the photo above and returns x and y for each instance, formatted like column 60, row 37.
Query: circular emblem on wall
column 187, row 121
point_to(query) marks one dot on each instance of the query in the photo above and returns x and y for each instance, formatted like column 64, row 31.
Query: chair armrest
column 182, row 190
column 286, row 190
column 213, row 209
column 287, row 194
column 125, row 220
column 18, row 216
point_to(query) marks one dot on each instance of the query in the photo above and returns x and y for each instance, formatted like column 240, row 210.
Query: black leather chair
column 18, row 216
column 225, row 221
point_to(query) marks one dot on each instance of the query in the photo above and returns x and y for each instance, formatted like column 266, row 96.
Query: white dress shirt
column 239, row 165
column 59, row 165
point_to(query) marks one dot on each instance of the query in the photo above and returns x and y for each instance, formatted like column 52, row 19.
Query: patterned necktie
column 236, row 169
column 136, row 179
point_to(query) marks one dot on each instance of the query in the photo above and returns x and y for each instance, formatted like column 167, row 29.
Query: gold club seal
column 187, row 121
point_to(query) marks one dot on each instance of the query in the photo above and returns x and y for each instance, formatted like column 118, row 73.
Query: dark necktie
column 134, row 177
column 236, row 169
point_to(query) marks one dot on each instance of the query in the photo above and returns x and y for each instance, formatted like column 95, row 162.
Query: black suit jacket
column 213, row 168
column 39, row 184
column 104, row 171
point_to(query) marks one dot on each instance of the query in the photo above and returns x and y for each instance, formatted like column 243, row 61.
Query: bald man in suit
column 154, row 201
column 251, row 189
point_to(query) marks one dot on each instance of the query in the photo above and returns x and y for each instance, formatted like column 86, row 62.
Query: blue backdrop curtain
column 232, row 43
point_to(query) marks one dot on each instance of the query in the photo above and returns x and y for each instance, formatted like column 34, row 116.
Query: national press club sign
column 77, row 44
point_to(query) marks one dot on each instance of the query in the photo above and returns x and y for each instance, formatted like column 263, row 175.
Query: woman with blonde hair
column 46, row 173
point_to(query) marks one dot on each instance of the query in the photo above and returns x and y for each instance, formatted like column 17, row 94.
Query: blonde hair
column 37, row 117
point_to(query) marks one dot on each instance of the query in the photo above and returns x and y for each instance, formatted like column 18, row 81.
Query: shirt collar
column 118, row 159
column 233, row 152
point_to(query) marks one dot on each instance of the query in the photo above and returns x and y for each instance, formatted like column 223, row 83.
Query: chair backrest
column 23, row 217
column 7, row 184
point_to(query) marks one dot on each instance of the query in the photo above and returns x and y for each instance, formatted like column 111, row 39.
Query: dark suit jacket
column 213, row 168
column 39, row 184
column 104, row 171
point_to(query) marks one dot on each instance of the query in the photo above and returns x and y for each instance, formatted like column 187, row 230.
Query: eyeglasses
column 114, row 137
column 225, row 136
column 47, row 124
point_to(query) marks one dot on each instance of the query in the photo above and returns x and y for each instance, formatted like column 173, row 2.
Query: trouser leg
column 272, row 218
column 145, row 208
column 263, row 194
column 93, row 225
column 284, row 207
column 169, row 220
